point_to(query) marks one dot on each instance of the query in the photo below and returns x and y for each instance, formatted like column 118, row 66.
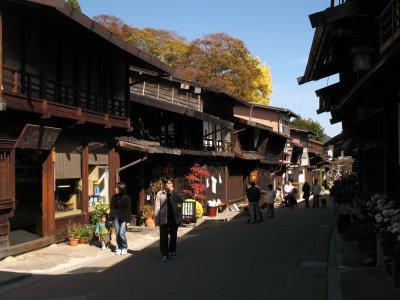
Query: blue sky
column 278, row 32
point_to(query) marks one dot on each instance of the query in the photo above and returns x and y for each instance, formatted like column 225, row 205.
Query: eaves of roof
column 100, row 31
column 180, row 109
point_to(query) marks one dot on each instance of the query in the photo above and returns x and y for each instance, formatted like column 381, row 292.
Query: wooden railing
column 217, row 145
column 389, row 24
column 167, row 92
column 33, row 86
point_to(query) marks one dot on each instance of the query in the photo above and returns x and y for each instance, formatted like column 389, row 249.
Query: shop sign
column 37, row 137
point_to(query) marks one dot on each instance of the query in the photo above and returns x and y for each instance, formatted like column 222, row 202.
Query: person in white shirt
column 316, row 191
column 288, row 192
column 271, row 195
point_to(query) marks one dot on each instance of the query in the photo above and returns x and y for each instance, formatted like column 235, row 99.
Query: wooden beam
column 334, row 14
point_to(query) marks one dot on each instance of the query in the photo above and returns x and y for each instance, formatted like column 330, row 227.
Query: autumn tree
column 115, row 25
column 166, row 45
column 74, row 4
column 195, row 183
column 223, row 62
column 217, row 60
column 317, row 131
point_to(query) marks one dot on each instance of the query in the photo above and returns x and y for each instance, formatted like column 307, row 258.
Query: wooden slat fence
column 6, row 195
column 235, row 187
column 6, row 176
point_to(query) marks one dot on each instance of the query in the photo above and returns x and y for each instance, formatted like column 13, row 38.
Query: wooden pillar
column 85, row 182
column 128, row 92
column 141, row 186
column 226, row 182
column 113, row 165
column 1, row 52
column 397, row 153
column 48, row 216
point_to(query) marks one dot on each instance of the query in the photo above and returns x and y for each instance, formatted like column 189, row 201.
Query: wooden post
column 112, row 167
column 48, row 217
column 226, row 182
column 1, row 51
column 85, row 182
column 141, row 186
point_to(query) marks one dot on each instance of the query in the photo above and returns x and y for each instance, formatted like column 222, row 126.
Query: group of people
column 256, row 205
column 254, row 197
column 168, row 218
column 315, row 190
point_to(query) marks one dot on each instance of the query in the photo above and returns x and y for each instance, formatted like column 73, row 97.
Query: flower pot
column 73, row 242
column 82, row 240
column 211, row 211
column 149, row 222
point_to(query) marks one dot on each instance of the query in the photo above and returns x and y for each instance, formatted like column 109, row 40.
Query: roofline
column 286, row 111
column 85, row 21
column 315, row 141
column 253, row 124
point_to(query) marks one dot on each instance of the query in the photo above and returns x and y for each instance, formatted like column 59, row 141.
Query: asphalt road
column 281, row 258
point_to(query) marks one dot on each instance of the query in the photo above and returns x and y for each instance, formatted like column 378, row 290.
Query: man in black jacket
column 168, row 217
column 253, row 195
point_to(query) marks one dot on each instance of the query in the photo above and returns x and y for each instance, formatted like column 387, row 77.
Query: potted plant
column 72, row 232
column 147, row 213
column 86, row 233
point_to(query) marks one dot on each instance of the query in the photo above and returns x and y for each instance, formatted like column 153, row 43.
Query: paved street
column 282, row 258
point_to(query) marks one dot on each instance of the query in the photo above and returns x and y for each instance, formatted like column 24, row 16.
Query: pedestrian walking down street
column 326, row 191
column 120, row 216
column 271, row 195
column 316, row 191
column 168, row 218
column 253, row 195
column 290, row 194
column 306, row 193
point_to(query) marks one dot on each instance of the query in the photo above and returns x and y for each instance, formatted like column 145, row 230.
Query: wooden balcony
column 389, row 25
column 29, row 92
column 167, row 91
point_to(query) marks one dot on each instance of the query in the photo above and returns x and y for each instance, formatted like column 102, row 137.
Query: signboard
column 189, row 211
column 37, row 137
column 254, row 176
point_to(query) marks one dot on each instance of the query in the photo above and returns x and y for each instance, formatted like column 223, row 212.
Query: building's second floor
column 59, row 55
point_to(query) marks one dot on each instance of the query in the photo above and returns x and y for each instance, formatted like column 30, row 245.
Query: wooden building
column 197, row 124
column 172, row 132
column 359, row 41
column 64, row 98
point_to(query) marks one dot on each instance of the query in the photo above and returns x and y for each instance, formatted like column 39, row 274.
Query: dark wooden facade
column 361, row 40
column 64, row 98
column 191, row 124
column 173, row 132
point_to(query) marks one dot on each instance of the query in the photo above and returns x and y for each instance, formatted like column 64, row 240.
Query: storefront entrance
column 26, row 224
